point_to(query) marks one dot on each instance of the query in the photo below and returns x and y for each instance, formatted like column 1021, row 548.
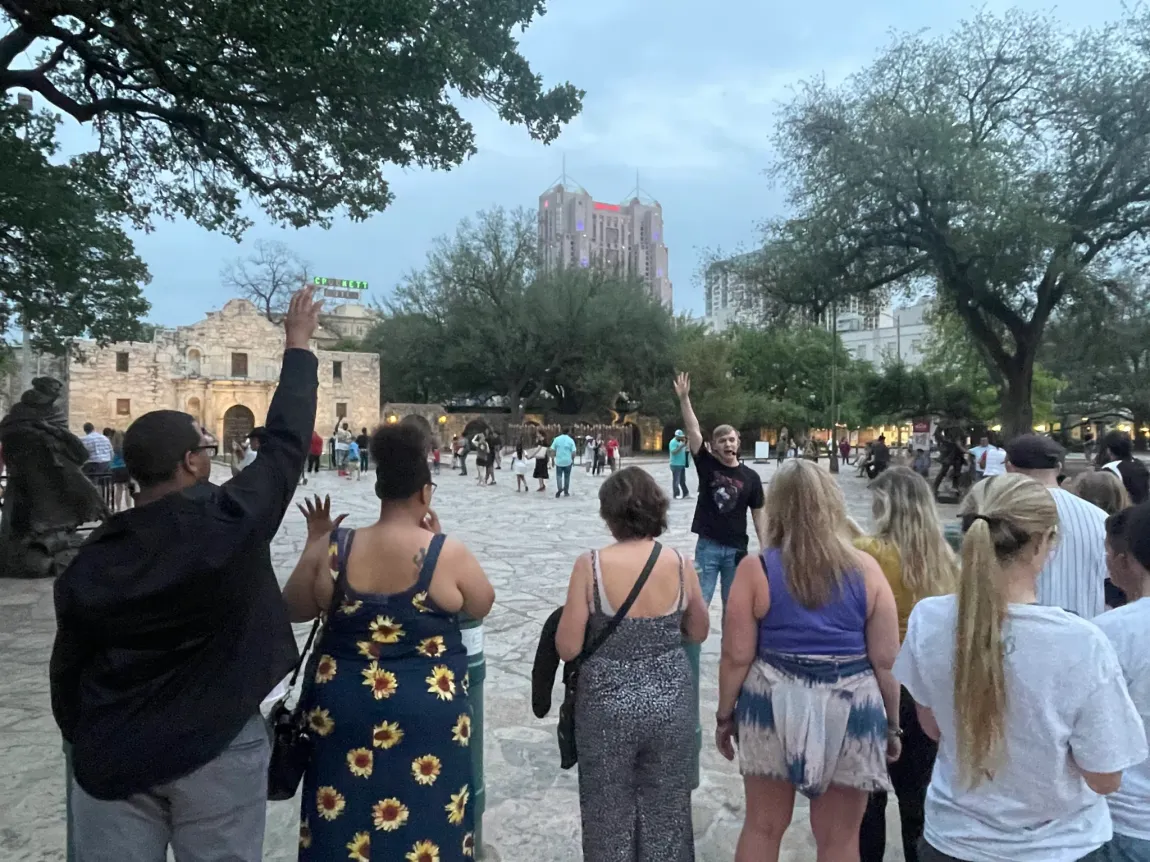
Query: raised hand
column 302, row 318
column 318, row 515
column 683, row 385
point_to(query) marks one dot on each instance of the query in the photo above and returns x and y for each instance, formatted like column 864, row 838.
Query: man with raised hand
column 171, row 631
column 727, row 489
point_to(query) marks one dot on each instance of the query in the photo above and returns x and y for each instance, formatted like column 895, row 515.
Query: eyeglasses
column 211, row 448
column 433, row 487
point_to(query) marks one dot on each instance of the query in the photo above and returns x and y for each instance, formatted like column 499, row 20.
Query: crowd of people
column 1001, row 693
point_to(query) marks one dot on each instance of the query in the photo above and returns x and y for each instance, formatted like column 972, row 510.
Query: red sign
column 613, row 208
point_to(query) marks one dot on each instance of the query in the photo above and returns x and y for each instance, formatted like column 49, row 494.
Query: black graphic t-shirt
column 725, row 493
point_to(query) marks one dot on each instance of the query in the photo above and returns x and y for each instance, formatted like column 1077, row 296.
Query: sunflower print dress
column 387, row 704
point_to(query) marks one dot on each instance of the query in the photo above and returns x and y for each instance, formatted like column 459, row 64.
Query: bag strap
column 342, row 540
column 613, row 623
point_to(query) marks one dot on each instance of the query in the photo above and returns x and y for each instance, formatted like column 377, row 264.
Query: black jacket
column 170, row 624
column 545, row 666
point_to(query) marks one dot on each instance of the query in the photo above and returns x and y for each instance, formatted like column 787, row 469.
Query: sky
column 683, row 93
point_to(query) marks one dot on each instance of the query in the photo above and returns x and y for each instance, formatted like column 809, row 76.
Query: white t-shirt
column 976, row 453
column 249, row 457
column 995, row 461
column 1074, row 576
column 1129, row 630
column 1065, row 693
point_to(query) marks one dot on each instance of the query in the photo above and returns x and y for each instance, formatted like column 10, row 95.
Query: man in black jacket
column 171, row 631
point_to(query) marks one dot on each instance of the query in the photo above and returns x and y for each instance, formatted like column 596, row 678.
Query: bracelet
column 895, row 731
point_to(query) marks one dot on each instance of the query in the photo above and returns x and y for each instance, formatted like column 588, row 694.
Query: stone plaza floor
column 527, row 544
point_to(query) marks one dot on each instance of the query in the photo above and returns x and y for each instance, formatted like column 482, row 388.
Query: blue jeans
column 1123, row 848
column 563, row 479
column 679, row 482
column 716, row 563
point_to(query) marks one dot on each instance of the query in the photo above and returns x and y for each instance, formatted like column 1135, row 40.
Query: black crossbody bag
column 291, row 740
column 568, row 753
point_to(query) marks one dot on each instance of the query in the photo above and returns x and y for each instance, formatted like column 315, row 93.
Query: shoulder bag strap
column 613, row 623
column 343, row 540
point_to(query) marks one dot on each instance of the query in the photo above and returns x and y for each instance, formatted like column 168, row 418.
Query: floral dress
column 390, row 777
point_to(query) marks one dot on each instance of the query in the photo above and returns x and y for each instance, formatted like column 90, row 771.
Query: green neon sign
column 342, row 283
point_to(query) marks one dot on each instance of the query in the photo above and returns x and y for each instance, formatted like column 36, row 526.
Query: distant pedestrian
column 563, row 450
column 342, row 438
column 436, row 457
column 99, row 449
column 589, row 453
column 992, row 460
column 353, row 461
column 314, row 453
column 613, row 454
column 879, row 457
column 921, row 462
column 679, row 452
column 542, row 456
column 844, row 449
column 363, row 441
column 519, row 468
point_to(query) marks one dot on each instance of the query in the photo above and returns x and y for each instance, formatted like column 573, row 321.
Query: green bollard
column 693, row 652
column 472, row 631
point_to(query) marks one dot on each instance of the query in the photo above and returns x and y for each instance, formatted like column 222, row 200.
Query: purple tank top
column 837, row 628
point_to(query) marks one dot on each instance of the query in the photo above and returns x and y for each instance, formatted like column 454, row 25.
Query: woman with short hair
column 805, row 685
column 635, row 712
column 1027, row 702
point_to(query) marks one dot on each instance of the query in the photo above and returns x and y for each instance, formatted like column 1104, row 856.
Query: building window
column 239, row 365
column 123, row 406
column 916, row 346
column 122, row 362
column 337, row 372
column 341, row 410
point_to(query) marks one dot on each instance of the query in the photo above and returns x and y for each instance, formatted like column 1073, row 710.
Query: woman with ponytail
column 1027, row 702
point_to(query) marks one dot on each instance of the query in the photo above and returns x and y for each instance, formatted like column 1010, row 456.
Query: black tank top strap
column 682, row 602
column 430, row 561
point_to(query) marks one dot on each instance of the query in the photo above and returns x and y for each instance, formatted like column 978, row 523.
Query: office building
column 627, row 239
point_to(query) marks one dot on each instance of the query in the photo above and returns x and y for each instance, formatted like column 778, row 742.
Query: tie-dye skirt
column 813, row 721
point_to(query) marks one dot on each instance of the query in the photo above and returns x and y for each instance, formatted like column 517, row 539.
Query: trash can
column 472, row 631
column 693, row 652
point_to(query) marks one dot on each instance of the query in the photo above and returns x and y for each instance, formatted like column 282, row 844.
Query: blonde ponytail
column 1001, row 516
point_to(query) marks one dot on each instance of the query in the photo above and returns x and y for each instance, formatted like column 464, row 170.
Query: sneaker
column 558, row 494
column 686, row 496
column 566, row 493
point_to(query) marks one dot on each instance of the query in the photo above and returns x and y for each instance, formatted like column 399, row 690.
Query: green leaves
column 299, row 106
column 67, row 269
column 481, row 320
column 995, row 167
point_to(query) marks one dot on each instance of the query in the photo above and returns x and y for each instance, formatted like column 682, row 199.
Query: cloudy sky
column 683, row 93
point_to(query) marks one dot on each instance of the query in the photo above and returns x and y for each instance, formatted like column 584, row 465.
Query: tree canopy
column 67, row 268
column 202, row 105
column 481, row 320
column 996, row 166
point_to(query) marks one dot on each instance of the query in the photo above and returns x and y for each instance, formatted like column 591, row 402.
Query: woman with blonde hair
column 1027, row 702
column 910, row 548
column 1102, row 488
column 805, row 683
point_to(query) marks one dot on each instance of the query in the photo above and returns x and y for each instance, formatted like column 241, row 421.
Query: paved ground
column 527, row 543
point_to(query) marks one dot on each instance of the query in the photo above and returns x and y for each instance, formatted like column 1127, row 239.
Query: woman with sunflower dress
column 386, row 696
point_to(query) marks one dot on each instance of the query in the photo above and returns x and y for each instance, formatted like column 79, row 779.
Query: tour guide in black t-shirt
column 727, row 488
column 171, row 630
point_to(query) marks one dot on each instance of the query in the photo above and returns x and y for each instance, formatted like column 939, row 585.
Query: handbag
column 291, row 740
column 568, row 753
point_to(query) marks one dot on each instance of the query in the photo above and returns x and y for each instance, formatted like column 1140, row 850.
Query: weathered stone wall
column 190, row 368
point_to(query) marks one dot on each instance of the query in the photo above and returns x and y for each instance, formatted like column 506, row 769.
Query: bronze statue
column 48, row 496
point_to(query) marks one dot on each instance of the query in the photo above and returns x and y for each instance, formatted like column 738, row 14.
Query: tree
column 67, row 269
column 482, row 320
column 267, row 277
column 202, row 105
column 997, row 166
column 1100, row 347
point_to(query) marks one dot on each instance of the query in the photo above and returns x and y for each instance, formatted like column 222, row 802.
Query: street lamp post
column 24, row 102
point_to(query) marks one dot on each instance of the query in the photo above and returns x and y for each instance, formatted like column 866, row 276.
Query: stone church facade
column 222, row 370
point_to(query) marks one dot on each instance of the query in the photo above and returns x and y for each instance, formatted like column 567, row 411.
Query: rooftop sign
column 339, row 283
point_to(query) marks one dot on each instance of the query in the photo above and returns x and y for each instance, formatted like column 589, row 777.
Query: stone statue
column 48, row 496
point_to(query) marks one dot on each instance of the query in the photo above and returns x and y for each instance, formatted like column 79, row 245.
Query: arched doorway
column 193, row 360
column 238, row 423
column 636, row 438
column 194, row 409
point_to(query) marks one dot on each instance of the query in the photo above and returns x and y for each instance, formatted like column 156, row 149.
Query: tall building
column 627, row 239
column 728, row 301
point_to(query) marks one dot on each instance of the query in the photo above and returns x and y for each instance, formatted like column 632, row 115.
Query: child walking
column 519, row 467
column 353, row 462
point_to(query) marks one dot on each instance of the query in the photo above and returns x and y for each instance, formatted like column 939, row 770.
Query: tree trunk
column 515, row 402
column 1017, row 411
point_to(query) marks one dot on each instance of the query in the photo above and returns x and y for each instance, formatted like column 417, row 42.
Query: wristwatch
column 895, row 731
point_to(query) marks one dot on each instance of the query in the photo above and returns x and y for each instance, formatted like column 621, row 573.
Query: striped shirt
column 1074, row 576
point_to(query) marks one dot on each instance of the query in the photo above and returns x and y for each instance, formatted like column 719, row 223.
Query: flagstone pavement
column 527, row 544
